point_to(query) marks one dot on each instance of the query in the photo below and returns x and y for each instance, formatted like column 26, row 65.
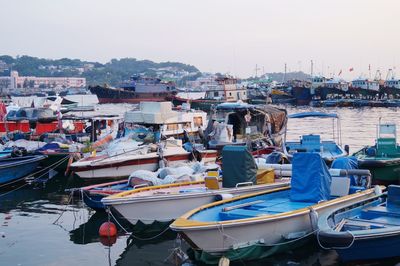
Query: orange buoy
column 108, row 229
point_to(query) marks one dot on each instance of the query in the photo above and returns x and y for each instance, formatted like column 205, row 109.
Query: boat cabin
column 337, row 84
column 365, row 84
column 386, row 142
column 317, row 82
column 159, row 115
column 237, row 122
column 393, row 83
column 227, row 89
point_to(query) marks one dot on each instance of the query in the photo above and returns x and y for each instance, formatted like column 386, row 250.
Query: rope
column 65, row 209
column 8, row 192
column 110, row 214
column 55, row 165
column 132, row 235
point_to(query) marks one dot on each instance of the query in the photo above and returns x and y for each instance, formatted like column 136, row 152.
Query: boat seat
column 392, row 206
column 382, row 210
column 266, row 204
column 340, row 186
column 287, row 206
column 242, row 214
column 311, row 143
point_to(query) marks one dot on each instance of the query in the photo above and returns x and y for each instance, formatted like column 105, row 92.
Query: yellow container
column 265, row 176
column 211, row 182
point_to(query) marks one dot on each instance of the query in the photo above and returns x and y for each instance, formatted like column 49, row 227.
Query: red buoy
column 108, row 241
column 108, row 229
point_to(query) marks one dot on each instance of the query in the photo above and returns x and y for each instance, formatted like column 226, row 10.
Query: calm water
column 42, row 225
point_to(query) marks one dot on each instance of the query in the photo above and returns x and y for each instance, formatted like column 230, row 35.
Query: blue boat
column 366, row 230
column 93, row 194
column 328, row 149
column 261, row 224
column 16, row 168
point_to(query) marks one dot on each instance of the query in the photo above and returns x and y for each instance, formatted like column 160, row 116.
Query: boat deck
column 376, row 215
column 313, row 143
column 263, row 207
column 264, row 204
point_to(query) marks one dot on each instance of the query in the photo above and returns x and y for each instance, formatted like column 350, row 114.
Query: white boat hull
column 165, row 208
column 218, row 237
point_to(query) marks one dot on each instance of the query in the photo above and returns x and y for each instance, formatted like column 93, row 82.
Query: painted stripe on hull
column 131, row 100
column 134, row 162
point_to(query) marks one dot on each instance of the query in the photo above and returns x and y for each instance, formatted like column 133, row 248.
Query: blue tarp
column 311, row 180
column 49, row 146
column 346, row 163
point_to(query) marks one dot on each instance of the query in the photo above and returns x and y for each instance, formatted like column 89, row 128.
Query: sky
column 227, row 36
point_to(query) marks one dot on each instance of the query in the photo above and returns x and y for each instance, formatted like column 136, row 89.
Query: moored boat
column 328, row 149
column 226, row 90
column 16, row 168
column 138, row 89
column 383, row 158
column 365, row 230
column 257, row 225
column 166, row 202
column 145, row 157
column 192, row 172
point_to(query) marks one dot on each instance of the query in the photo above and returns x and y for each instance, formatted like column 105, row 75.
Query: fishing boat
column 137, row 89
column 225, row 90
column 145, row 157
column 328, row 149
column 383, row 158
column 261, row 128
column 257, row 225
column 368, row 229
column 160, row 203
column 16, row 168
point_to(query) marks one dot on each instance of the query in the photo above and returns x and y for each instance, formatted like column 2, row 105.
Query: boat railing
column 243, row 184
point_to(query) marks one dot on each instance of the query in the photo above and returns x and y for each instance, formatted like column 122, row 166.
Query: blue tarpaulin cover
column 311, row 180
column 49, row 146
column 346, row 163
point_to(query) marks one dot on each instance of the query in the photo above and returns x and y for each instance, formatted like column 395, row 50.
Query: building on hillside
column 16, row 81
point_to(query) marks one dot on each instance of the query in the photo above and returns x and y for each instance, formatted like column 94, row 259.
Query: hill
column 112, row 73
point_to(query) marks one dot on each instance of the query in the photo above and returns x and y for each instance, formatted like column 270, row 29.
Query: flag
column 340, row 73
column 351, row 69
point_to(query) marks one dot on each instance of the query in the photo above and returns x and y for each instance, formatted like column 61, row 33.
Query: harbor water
column 41, row 224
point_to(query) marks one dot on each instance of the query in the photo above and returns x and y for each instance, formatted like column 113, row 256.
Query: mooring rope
column 131, row 234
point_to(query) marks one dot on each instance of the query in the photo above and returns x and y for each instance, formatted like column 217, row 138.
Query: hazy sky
column 214, row 35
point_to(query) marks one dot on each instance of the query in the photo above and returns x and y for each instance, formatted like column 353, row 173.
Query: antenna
column 284, row 75
column 369, row 70
column 312, row 66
